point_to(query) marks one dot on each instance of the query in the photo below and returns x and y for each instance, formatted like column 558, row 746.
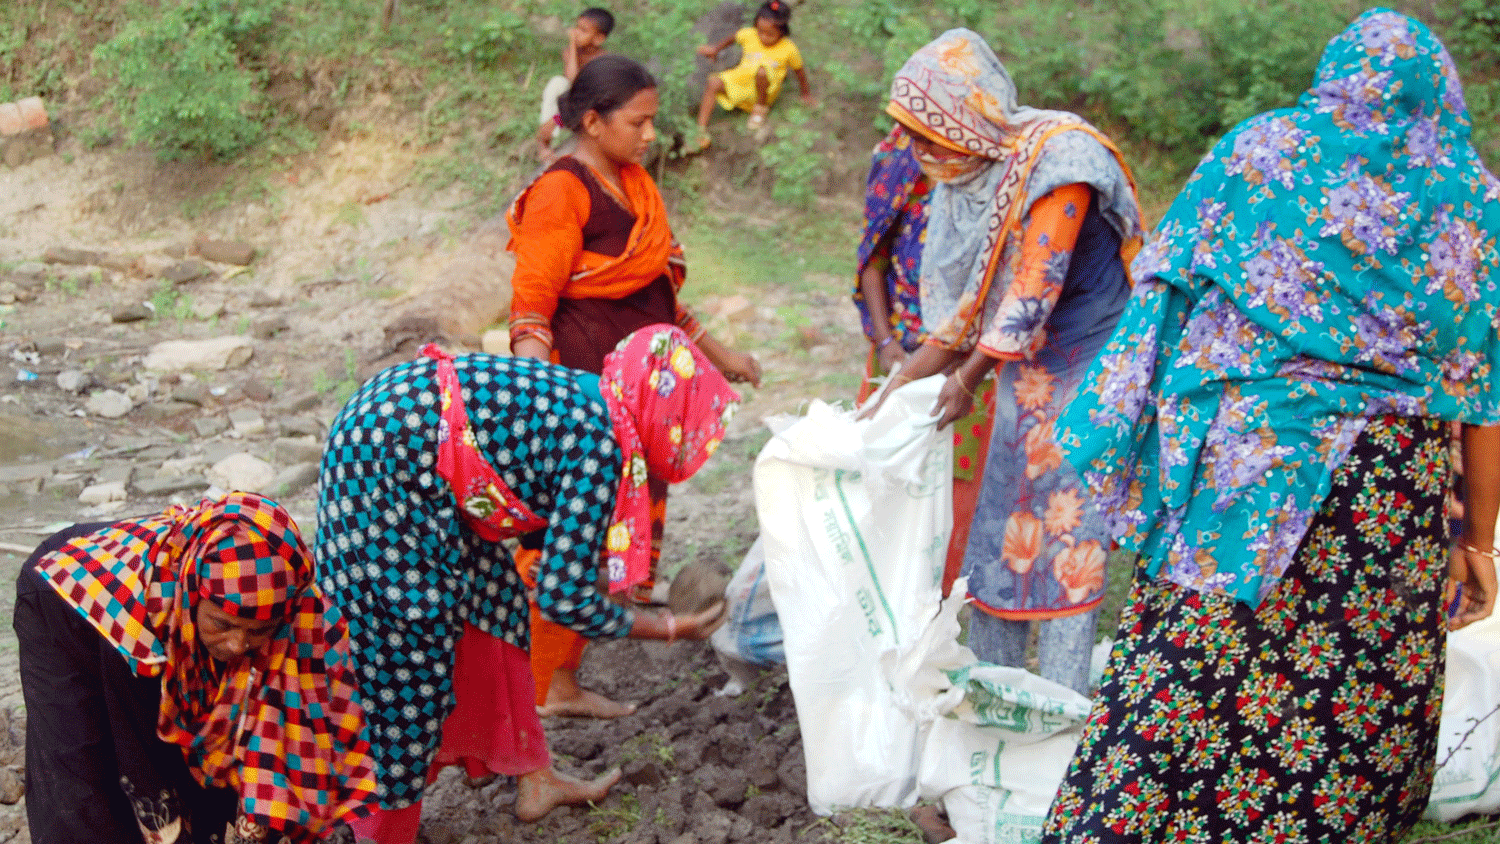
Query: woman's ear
column 592, row 122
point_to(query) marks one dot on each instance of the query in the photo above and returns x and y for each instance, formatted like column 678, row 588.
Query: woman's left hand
column 1471, row 575
column 742, row 366
column 954, row 401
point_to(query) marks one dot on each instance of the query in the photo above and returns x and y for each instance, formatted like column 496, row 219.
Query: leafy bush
column 182, row 81
column 486, row 42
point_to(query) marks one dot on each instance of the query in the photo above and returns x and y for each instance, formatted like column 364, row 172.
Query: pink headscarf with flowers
column 669, row 408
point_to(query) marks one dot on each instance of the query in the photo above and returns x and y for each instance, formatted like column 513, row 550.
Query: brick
column 33, row 113
column 10, row 120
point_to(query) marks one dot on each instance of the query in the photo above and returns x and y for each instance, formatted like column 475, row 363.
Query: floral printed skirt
column 1312, row 718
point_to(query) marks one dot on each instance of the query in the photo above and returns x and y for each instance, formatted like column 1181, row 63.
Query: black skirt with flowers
column 1313, row 718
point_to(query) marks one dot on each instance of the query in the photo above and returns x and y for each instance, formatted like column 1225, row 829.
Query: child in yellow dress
column 754, row 83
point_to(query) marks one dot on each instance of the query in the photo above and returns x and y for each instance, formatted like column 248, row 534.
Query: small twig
column 1465, row 737
column 17, row 549
column 1456, row 834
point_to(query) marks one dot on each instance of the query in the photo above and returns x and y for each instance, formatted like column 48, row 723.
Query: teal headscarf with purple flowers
column 1325, row 264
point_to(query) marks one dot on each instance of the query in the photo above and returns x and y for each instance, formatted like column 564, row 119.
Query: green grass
column 774, row 251
column 868, row 826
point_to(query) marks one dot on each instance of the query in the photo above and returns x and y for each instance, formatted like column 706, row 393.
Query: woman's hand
column 695, row 626
column 890, row 354
column 954, row 401
column 928, row 360
column 740, row 367
column 735, row 365
column 1471, row 573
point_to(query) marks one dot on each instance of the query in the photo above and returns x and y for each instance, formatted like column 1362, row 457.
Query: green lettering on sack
column 837, row 536
column 838, row 479
column 867, row 604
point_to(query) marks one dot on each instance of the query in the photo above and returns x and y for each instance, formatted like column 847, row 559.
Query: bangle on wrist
column 1491, row 554
column 671, row 627
column 880, row 347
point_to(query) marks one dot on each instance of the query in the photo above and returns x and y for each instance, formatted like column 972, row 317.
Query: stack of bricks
column 25, row 132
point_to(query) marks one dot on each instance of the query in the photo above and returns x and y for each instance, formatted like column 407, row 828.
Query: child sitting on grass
column 585, row 43
column 753, row 84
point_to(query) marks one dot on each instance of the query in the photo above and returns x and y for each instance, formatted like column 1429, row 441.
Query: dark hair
column 602, row 85
column 777, row 12
column 601, row 18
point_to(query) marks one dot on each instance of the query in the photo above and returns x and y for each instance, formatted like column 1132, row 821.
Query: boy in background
column 586, row 39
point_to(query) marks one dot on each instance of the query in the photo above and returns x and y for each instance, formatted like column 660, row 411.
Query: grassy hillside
column 254, row 80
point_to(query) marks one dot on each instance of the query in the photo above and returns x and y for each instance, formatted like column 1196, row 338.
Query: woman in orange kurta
column 595, row 260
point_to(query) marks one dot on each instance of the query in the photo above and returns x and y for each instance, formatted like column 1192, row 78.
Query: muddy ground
column 98, row 264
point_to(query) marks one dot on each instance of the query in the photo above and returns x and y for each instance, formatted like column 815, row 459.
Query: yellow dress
column 739, row 81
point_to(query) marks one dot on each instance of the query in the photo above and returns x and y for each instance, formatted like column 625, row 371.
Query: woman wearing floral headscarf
column 185, row 682
column 1031, row 223
column 1266, row 429
column 434, row 462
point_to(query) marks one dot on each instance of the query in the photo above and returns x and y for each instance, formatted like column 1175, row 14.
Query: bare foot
column 585, row 704
column 539, row 792
column 568, row 699
column 933, row 823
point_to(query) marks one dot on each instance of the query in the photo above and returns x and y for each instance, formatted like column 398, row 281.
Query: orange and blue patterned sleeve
column 1049, row 235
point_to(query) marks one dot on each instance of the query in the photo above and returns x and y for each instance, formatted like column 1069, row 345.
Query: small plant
column 168, row 301
column 794, row 159
column 610, row 822
column 652, row 746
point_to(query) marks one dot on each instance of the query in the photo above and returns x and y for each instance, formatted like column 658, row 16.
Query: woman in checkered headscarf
column 185, row 681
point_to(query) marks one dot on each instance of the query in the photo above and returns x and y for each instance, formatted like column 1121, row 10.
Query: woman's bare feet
column 568, row 699
column 539, row 792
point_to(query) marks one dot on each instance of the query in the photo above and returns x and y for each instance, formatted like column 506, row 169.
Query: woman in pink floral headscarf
column 428, row 468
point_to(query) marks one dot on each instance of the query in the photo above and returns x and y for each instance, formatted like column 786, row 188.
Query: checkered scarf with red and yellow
column 282, row 726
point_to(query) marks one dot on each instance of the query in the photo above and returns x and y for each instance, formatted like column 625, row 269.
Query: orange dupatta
column 546, row 225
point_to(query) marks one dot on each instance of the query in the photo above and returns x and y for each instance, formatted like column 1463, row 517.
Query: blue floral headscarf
column 1325, row 264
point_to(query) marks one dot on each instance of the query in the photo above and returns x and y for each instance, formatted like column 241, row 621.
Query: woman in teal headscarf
column 1267, row 430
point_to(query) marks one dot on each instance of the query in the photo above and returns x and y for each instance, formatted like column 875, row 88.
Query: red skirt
column 493, row 728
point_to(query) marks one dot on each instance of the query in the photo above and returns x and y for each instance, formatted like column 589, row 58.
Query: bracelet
column 671, row 627
column 1491, row 554
column 880, row 347
column 974, row 396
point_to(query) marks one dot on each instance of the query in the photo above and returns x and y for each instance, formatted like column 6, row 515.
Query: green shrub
column 181, row 80
column 487, row 42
